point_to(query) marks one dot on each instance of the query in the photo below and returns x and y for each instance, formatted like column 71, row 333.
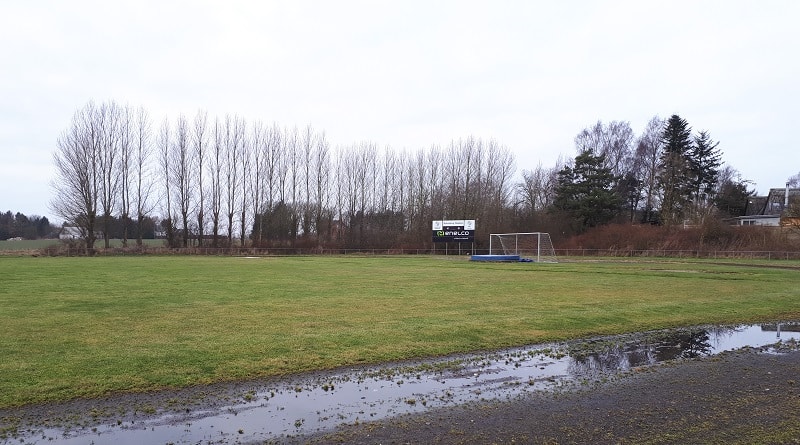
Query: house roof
column 773, row 203
column 71, row 231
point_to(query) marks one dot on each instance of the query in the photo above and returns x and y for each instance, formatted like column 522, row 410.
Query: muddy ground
column 739, row 397
column 745, row 397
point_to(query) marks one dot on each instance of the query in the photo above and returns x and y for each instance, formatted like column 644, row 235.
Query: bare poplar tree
column 352, row 174
column 415, row 191
column 245, row 162
column 232, row 167
column 306, row 161
column 284, row 166
column 108, row 119
column 165, row 153
column 386, row 193
column 142, row 150
column 648, row 154
column 341, row 189
column 258, row 147
column 454, row 173
column 182, row 168
column 436, row 182
column 366, row 158
column 291, row 154
column 77, row 173
column 293, row 159
column 499, row 171
column 126, row 160
column 200, row 140
column 404, row 184
column 320, row 182
column 218, row 163
column 273, row 159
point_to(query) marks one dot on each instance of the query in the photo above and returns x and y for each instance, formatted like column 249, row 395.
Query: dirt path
column 740, row 397
column 746, row 397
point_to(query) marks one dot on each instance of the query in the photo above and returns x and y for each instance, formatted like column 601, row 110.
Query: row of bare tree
column 221, row 180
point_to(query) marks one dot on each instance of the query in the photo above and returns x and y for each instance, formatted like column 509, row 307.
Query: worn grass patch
column 84, row 327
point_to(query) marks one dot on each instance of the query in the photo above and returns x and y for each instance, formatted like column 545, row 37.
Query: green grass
column 36, row 244
column 85, row 327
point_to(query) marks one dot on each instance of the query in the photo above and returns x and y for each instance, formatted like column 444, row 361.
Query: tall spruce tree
column 675, row 177
column 705, row 161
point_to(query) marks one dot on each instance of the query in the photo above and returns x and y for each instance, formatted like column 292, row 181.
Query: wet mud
column 397, row 403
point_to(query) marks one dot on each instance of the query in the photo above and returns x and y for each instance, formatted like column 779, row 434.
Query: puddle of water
column 303, row 406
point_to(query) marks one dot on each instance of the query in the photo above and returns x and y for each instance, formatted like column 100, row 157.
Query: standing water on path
column 307, row 404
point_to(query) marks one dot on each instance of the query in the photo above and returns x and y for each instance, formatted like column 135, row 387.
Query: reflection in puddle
column 304, row 405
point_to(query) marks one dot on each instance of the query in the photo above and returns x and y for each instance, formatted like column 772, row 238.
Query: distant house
column 70, row 233
column 770, row 210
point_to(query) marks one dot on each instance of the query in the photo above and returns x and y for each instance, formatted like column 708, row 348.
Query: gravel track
column 734, row 398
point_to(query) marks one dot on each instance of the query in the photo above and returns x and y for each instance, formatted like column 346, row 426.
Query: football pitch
column 87, row 327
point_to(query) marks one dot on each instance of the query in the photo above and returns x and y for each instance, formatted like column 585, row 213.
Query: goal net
column 535, row 245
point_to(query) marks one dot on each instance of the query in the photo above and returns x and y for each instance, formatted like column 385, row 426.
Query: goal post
column 535, row 245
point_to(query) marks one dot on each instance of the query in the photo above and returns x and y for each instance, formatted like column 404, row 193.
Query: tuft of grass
column 86, row 327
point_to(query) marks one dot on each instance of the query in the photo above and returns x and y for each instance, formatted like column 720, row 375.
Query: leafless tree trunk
column 77, row 173
column 455, row 174
column 613, row 141
column 293, row 171
column 383, row 180
column 182, row 173
column 258, row 147
column 143, row 182
column 200, row 150
column 499, row 170
column 530, row 189
column 165, row 151
column 273, row 160
column 341, row 188
column 217, row 166
column 108, row 117
column 321, row 182
column 436, row 183
column 246, row 165
column 125, row 169
column 306, row 157
column 233, row 142
column 414, row 193
column 367, row 157
column 648, row 153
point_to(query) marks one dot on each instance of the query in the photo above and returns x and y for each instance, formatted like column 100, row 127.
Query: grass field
column 36, row 244
column 85, row 327
column 27, row 244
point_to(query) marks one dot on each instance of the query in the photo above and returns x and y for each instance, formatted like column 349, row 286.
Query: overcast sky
column 407, row 74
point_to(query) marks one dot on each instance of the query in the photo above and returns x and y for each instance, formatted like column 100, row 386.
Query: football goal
column 534, row 245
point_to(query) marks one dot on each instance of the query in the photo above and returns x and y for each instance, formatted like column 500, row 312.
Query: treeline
column 220, row 181
column 17, row 225
column 669, row 176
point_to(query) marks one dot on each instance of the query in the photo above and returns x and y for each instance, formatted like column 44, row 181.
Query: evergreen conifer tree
column 586, row 191
column 675, row 170
column 705, row 161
